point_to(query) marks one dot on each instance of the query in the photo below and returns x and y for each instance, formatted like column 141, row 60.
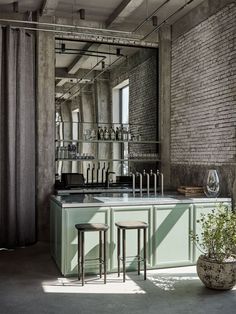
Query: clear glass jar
column 212, row 183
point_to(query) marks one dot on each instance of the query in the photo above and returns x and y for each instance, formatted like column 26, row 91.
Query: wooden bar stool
column 129, row 225
column 90, row 227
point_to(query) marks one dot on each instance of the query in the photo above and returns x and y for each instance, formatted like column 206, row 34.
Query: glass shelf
column 107, row 141
column 101, row 159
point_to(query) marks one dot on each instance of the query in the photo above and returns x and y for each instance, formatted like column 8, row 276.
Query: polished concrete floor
column 30, row 283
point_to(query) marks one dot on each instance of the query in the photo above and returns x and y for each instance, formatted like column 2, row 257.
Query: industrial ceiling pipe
column 96, row 77
column 150, row 16
column 149, row 45
column 92, row 51
column 84, row 77
column 171, row 15
column 105, row 39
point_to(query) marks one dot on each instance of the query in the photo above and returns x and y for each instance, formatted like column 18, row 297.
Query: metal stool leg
column 82, row 257
column 145, row 251
column 139, row 252
column 124, row 251
column 105, row 256
column 100, row 254
column 118, row 251
column 79, row 254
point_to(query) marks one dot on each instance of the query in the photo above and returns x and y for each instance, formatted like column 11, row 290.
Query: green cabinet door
column 130, row 213
column 72, row 216
column 171, row 241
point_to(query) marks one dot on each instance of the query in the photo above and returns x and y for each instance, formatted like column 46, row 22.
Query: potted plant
column 216, row 267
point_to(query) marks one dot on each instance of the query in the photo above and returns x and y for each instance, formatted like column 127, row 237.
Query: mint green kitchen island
column 170, row 220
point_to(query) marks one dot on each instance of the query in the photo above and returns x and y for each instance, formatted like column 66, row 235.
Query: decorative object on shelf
column 217, row 266
column 212, row 183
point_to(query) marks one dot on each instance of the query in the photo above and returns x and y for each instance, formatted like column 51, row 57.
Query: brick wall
column 203, row 96
column 142, row 75
column 143, row 108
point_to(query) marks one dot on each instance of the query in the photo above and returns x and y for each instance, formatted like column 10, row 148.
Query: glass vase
column 212, row 183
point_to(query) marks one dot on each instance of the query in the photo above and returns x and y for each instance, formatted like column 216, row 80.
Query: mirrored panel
column 106, row 110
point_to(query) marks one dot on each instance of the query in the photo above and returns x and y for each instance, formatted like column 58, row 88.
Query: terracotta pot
column 215, row 275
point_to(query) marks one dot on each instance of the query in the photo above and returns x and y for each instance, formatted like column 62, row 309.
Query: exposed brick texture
column 203, row 92
column 143, row 109
column 143, row 99
column 203, row 102
column 142, row 75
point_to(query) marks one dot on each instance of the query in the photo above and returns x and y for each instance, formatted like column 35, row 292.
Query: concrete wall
column 45, row 159
column 203, row 96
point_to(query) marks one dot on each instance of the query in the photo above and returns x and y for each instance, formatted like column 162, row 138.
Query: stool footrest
column 133, row 259
column 93, row 259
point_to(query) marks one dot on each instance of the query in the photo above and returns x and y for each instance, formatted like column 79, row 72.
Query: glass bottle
column 106, row 133
column 119, row 134
column 99, row 130
column 112, row 134
column 101, row 134
column 125, row 134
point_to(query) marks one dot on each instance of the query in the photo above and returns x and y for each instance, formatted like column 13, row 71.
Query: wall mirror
column 106, row 109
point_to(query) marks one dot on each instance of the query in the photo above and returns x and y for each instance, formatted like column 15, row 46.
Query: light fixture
column 118, row 51
column 154, row 20
column 15, row 7
column 81, row 14
column 63, row 47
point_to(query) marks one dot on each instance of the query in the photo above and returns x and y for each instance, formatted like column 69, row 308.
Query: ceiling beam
column 123, row 11
column 61, row 73
column 80, row 59
column 49, row 7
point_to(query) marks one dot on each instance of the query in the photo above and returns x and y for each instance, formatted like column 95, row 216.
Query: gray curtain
column 17, row 138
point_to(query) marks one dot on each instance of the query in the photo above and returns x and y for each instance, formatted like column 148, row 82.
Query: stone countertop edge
column 145, row 201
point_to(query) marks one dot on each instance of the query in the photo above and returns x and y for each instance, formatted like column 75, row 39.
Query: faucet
column 93, row 172
column 98, row 168
column 148, row 180
column 133, row 176
column 107, row 177
column 155, row 181
column 140, row 183
column 103, row 169
column 162, row 181
column 87, row 177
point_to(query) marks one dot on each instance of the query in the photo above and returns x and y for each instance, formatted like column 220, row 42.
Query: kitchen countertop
column 120, row 199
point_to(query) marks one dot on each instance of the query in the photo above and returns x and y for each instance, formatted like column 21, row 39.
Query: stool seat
column 132, row 224
column 91, row 227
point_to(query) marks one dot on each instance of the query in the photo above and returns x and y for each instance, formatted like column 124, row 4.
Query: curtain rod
column 66, row 26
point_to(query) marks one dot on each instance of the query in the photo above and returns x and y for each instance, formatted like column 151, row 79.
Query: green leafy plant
column 218, row 237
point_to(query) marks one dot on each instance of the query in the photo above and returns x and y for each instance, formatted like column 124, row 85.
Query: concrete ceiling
column 122, row 15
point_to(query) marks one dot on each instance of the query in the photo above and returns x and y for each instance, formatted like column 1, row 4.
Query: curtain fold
column 17, row 135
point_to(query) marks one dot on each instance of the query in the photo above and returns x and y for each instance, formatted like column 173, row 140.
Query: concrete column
column 45, row 117
column 88, row 117
column 165, row 100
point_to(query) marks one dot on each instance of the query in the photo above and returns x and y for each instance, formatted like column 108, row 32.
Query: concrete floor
column 30, row 283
